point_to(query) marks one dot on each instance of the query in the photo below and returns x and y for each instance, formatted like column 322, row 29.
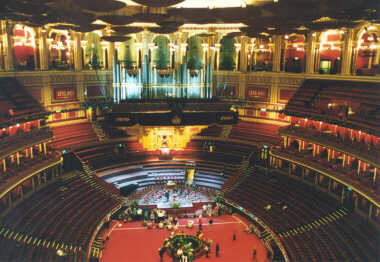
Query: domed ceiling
column 256, row 16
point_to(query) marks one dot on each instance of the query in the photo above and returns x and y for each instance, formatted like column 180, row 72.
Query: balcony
column 345, row 176
column 327, row 139
column 13, row 144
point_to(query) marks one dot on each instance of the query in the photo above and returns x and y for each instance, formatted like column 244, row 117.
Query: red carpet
column 132, row 242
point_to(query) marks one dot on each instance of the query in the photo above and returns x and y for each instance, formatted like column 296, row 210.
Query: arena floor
column 133, row 242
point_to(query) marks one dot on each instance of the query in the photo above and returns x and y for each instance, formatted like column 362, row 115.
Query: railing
column 257, row 220
column 13, row 144
column 330, row 172
column 29, row 172
column 332, row 141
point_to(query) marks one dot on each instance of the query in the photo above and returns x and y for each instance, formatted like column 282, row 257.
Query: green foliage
column 195, row 53
column 133, row 204
column 227, row 54
column 175, row 205
column 162, row 53
column 219, row 199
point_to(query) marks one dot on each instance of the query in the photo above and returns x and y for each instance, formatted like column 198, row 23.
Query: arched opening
column 93, row 55
column 161, row 54
column 25, row 49
column 367, row 61
column 128, row 54
column 294, row 53
column 61, row 52
column 330, row 52
column 262, row 54
column 227, row 54
column 195, row 53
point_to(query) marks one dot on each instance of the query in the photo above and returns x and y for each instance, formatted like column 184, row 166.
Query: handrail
column 27, row 139
column 262, row 224
column 28, row 173
column 331, row 173
column 329, row 141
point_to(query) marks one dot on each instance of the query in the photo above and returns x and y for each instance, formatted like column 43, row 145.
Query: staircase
column 338, row 214
column 244, row 171
column 226, row 131
column 96, row 248
column 98, row 131
column 89, row 176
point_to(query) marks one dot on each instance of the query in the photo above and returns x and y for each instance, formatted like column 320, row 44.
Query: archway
column 128, row 54
column 368, row 54
column 61, row 53
column 161, row 54
column 294, row 53
column 195, row 53
column 330, row 52
column 263, row 53
column 227, row 54
column 25, row 50
column 93, row 55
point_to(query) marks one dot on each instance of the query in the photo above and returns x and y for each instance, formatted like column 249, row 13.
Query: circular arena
column 188, row 130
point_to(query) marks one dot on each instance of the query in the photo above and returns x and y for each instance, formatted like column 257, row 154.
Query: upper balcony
column 22, row 140
column 346, row 176
column 345, row 103
column 327, row 139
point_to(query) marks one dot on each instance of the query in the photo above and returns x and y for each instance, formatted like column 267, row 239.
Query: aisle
column 133, row 242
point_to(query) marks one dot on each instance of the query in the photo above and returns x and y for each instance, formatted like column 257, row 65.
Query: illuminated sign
column 257, row 92
column 65, row 93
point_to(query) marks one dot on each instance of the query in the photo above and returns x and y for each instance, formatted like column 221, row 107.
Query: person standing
column 254, row 254
column 210, row 222
column 217, row 250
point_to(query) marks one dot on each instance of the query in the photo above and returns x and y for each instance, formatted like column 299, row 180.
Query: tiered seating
column 213, row 130
column 347, row 239
column 14, row 96
column 356, row 103
column 65, row 212
column 339, row 238
column 73, row 135
column 19, row 140
column 256, row 132
column 305, row 204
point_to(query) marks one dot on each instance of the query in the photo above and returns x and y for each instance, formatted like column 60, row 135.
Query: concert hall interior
column 189, row 130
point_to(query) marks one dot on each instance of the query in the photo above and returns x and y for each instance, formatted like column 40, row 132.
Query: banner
column 65, row 93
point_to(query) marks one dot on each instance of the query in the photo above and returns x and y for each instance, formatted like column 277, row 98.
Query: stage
column 165, row 199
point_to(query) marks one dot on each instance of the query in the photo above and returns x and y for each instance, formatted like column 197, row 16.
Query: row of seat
column 13, row 96
column 347, row 239
column 66, row 212
column 73, row 135
column 344, row 101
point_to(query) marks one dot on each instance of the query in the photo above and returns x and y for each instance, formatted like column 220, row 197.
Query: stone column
column 6, row 28
column 44, row 49
column 111, row 54
column 347, row 52
column 78, row 65
column 277, row 39
column 311, row 45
